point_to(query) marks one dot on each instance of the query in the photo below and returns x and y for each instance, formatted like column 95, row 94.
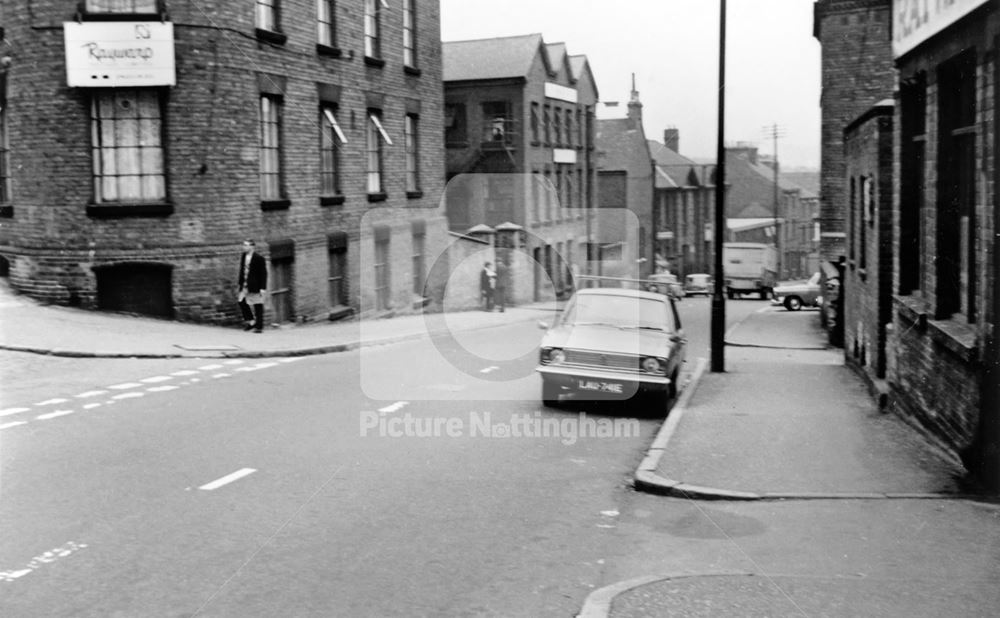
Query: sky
column 672, row 46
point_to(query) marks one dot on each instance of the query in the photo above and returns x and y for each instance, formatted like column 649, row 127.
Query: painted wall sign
column 562, row 93
column 119, row 54
column 915, row 21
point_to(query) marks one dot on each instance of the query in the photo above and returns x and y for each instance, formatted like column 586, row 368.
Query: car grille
column 623, row 362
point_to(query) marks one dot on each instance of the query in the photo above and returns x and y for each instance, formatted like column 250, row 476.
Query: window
column 852, row 216
column 5, row 194
column 121, row 6
column 281, row 288
column 569, row 128
column 418, row 261
column 409, row 34
column 455, row 131
column 547, row 195
column 127, row 133
column 559, row 192
column 497, row 122
column 337, row 273
column 956, row 187
column 412, row 153
column 326, row 24
column 331, row 137
column 557, row 127
column 267, row 15
column 547, row 124
column 579, row 130
column 569, row 189
column 536, row 205
column 913, row 138
column 373, row 46
column 382, row 271
column 271, row 185
column 375, row 135
column 865, row 220
column 534, row 122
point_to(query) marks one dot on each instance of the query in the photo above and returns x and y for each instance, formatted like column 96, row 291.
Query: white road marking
column 229, row 478
column 222, row 375
column 210, row 367
column 47, row 558
column 399, row 405
column 14, row 424
column 184, row 372
column 125, row 385
column 156, row 379
column 609, row 513
column 9, row 411
column 265, row 365
column 90, row 406
column 292, row 359
column 235, row 361
column 160, row 389
column 131, row 395
column 91, row 394
column 195, row 380
column 45, row 417
column 488, row 369
column 51, row 402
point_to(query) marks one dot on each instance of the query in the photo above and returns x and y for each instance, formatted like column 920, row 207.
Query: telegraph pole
column 774, row 132
column 718, row 298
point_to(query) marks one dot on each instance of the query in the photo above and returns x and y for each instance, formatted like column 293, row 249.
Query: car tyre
column 672, row 391
column 793, row 303
column 550, row 395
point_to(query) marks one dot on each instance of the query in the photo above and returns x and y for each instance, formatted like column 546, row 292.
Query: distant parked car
column 666, row 283
column 698, row 283
column 794, row 296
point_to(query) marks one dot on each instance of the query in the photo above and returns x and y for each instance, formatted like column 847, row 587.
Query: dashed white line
column 184, row 372
column 124, row 385
column 9, row 411
column 222, row 375
column 229, row 478
column 51, row 402
column 131, row 395
column 14, row 424
column 45, row 417
column 90, row 406
column 489, row 369
column 235, row 361
column 91, row 394
column 399, row 405
column 155, row 379
column 160, row 389
column 292, row 359
column 210, row 367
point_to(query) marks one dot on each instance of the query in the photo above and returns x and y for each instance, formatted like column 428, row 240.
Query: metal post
column 777, row 206
column 718, row 298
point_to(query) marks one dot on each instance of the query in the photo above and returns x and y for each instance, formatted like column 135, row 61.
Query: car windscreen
column 621, row 311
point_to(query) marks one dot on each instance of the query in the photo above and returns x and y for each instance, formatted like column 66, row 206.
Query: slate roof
column 620, row 145
column 557, row 56
column 496, row 58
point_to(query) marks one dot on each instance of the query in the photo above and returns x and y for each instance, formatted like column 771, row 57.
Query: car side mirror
column 543, row 325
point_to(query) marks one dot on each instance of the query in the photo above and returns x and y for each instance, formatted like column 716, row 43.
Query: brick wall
column 857, row 73
column 211, row 149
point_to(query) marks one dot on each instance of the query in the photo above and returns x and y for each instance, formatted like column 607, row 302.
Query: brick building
column 132, row 171
column 519, row 137
column 944, row 370
column 684, row 208
column 625, row 230
column 868, row 143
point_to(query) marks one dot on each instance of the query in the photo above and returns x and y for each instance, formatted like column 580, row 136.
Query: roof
column 496, row 58
column 665, row 156
column 557, row 57
column 622, row 145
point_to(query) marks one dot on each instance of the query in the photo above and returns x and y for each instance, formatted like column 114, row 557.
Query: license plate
column 600, row 387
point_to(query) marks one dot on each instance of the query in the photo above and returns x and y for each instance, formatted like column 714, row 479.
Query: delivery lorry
column 749, row 268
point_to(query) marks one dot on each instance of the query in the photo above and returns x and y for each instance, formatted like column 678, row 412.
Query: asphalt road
column 282, row 486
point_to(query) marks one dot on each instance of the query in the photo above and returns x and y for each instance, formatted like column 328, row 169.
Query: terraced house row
column 144, row 140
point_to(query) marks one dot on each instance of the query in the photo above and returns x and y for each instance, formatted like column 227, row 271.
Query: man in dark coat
column 487, row 282
column 250, row 285
column 500, row 290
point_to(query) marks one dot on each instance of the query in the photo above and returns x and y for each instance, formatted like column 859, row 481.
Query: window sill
column 331, row 200
column 414, row 71
column 281, row 204
column 374, row 62
column 158, row 209
column 535, row 143
column 377, row 197
column 912, row 311
column 6, row 212
column 414, row 195
column 329, row 52
column 955, row 336
column 269, row 36
column 339, row 312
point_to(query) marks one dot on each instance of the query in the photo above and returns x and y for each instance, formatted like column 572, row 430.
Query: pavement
column 786, row 422
column 27, row 325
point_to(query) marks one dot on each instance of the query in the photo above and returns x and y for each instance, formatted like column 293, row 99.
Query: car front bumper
column 594, row 381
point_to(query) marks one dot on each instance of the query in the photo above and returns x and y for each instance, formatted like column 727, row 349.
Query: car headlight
column 553, row 356
column 652, row 365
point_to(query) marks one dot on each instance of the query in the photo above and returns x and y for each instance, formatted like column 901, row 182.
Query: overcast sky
column 772, row 62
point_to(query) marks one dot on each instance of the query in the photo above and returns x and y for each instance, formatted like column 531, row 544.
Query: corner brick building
column 143, row 140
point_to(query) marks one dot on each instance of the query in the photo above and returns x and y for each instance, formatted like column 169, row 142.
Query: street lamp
column 718, row 299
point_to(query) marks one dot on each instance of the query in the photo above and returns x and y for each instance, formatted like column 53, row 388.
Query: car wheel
column 550, row 395
column 793, row 303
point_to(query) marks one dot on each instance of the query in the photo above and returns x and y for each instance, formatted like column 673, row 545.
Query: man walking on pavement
column 487, row 282
column 250, row 285
column 500, row 291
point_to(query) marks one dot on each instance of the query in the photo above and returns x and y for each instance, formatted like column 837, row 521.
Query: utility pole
column 774, row 132
column 718, row 298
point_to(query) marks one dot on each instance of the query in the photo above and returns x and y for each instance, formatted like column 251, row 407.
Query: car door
column 679, row 339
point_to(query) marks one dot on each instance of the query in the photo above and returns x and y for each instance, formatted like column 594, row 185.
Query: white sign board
column 119, row 54
column 563, row 155
column 556, row 91
column 915, row 21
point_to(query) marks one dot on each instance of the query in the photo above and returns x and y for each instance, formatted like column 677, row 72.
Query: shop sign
column 915, row 21
column 119, row 54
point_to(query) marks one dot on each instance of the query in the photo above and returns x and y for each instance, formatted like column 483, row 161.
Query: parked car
column 613, row 343
column 666, row 283
column 794, row 296
column 698, row 283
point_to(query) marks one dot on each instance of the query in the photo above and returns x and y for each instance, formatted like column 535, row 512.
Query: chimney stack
column 634, row 107
column 672, row 139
